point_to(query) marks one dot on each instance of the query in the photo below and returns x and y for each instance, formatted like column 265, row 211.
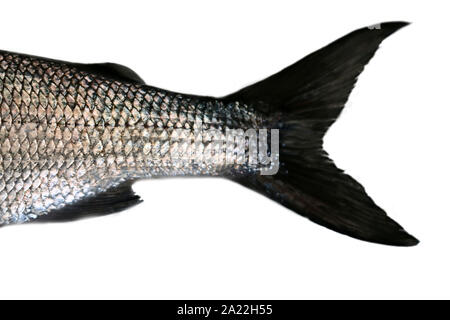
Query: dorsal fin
column 110, row 70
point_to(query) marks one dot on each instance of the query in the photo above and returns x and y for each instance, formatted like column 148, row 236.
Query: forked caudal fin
column 303, row 100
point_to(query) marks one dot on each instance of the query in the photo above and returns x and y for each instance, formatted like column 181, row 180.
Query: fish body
column 74, row 137
column 67, row 134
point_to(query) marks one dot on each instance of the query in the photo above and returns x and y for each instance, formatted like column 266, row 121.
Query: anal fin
column 113, row 200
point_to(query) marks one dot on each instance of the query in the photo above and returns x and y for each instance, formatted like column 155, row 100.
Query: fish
column 74, row 137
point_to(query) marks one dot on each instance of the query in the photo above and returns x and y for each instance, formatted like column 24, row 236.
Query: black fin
column 303, row 100
column 111, row 70
column 113, row 200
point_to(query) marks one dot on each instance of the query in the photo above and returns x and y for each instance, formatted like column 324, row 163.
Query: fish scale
column 66, row 134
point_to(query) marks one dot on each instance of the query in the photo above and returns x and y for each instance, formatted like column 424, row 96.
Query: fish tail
column 303, row 101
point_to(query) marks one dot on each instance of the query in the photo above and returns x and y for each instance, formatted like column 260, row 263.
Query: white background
column 211, row 238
